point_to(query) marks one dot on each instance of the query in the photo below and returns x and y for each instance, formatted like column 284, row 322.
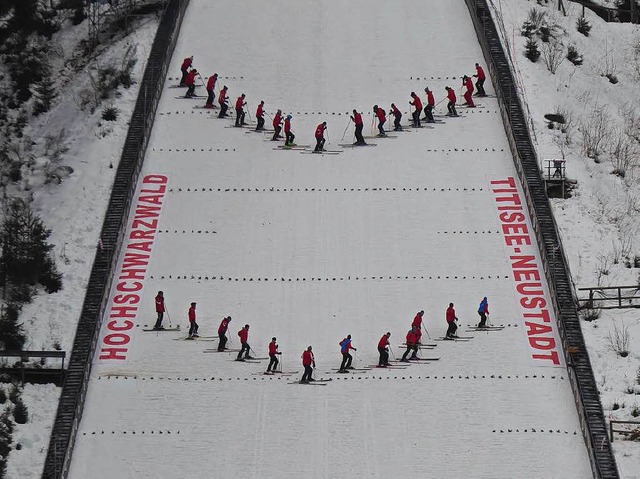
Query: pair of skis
column 250, row 360
column 456, row 338
column 485, row 328
column 276, row 373
column 315, row 382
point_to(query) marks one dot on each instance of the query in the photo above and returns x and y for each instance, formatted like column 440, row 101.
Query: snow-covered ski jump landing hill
column 309, row 248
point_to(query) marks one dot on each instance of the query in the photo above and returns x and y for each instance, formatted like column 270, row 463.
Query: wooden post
column 561, row 8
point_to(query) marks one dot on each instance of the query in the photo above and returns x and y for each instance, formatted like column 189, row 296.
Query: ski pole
column 392, row 354
column 168, row 315
column 425, row 330
column 345, row 129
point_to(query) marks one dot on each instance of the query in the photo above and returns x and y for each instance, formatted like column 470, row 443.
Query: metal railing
column 71, row 403
column 552, row 255
column 620, row 300
column 613, row 430
column 612, row 14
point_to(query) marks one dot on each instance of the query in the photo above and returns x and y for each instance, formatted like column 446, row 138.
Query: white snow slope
column 310, row 248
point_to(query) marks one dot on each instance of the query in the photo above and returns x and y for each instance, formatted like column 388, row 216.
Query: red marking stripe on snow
column 526, row 272
column 124, row 304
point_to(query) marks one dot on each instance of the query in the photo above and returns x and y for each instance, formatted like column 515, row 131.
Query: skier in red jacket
column 357, row 120
column 383, row 349
column 245, row 348
column 289, row 136
column 480, row 82
column 451, row 321
column 191, row 83
column 431, row 103
column 320, row 129
column 412, row 345
column 273, row 354
column 222, row 333
column 309, row 362
column 240, row 111
column 468, row 84
column 224, row 102
column 260, row 116
column 211, row 92
column 186, row 64
column 417, row 105
column 451, row 106
column 193, row 326
column 277, row 125
column 159, row 310
column 397, row 116
column 417, row 322
column 382, row 118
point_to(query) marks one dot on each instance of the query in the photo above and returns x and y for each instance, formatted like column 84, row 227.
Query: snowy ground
column 310, row 248
column 600, row 224
column 74, row 211
column 308, row 242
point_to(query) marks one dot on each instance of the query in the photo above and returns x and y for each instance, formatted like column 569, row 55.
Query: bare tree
column 623, row 152
column 553, row 55
column 595, row 131
column 618, row 340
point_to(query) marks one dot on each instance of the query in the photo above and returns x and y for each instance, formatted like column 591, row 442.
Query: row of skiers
column 412, row 339
column 279, row 122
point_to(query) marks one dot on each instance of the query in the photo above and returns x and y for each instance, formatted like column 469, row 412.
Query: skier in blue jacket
column 345, row 346
column 483, row 311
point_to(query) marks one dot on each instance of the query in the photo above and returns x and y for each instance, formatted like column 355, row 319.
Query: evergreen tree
column 45, row 93
column 11, row 331
column 26, row 255
column 531, row 50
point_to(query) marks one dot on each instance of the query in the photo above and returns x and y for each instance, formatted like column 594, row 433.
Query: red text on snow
column 526, row 272
column 130, row 279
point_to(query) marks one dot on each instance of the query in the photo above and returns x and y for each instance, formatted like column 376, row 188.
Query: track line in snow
column 272, row 189
column 193, row 111
column 534, row 430
column 314, row 279
column 468, row 232
column 150, row 432
column 365, row 377
column 206, row 232
column 206, row 77
column 463, row 150
column 131, row 432
column 209, row 111
column 194, row 150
